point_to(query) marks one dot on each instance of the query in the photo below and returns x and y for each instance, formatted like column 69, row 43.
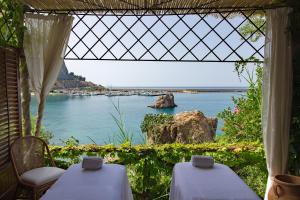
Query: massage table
column 217, row 183
column 108, row 183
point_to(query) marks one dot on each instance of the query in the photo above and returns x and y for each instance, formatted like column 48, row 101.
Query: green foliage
column 77, row 77
column 45, row 133
column 123, row 135
column 152, row 123
column 149, row 168
column 71, row 141
column 249, row 29
column 11, row 23
column 243, row 123
column 91, row 89
column 152, row 120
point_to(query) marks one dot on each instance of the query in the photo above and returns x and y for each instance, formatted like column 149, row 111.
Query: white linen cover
column 217, row 183
column 42, row 175
column 108, row 183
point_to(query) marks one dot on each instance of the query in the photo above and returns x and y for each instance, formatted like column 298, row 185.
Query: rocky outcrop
column 164, row 101
column 68, row 80
column 186, row 127
column 71, row 84
column 64, row 73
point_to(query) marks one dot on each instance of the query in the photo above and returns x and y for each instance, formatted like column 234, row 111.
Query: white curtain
column 45, row 42
column 277, row 92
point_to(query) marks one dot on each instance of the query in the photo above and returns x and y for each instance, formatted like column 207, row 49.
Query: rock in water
column 186, row 127
column 164, row 101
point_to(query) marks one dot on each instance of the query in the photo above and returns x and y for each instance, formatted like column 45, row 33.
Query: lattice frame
column 7, row 33
column 167, row 50
column 188, row 53
column 10, row 24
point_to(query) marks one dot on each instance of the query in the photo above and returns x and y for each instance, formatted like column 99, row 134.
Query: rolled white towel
column 202, row 161
column 92, row 163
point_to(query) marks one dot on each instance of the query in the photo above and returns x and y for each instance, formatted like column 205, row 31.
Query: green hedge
column 149, row 168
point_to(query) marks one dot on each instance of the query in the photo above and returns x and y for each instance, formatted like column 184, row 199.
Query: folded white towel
column 202, row 161
column 92, row 163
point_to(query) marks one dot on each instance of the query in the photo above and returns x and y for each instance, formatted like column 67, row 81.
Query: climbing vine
column 11, row 23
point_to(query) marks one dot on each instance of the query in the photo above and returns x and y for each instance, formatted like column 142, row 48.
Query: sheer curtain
column 277, row 92
column 45, row 42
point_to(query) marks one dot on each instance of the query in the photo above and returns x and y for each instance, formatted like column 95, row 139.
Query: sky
column 156, row 74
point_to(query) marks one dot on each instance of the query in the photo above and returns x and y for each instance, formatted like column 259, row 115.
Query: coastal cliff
column 68, row 80
column 186, row 127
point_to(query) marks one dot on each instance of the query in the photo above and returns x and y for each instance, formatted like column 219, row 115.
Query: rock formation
column 186, row 127
column 164, row 101
column 71, row 84
column 68, row 80
column 64, row 73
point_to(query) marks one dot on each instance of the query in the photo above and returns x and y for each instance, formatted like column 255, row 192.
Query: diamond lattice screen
column 214, row 37
column 10, row 15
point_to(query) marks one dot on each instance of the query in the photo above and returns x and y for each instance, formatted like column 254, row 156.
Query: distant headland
column 70, row 84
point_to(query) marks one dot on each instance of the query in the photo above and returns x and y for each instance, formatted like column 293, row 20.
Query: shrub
column 243, row 122
column 152, row 120
column 45, row 134
column 152, row 126
column 149, row 168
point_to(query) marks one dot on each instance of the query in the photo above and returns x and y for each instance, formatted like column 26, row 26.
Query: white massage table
column 108, row 183
column 217, row 183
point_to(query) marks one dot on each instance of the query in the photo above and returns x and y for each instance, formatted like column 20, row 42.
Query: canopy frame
column 210, row 55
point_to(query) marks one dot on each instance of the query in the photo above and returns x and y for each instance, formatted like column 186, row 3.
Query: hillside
column 68, row 80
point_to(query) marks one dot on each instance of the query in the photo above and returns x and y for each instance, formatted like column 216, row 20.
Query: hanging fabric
column 45, row 42
column 277, row 92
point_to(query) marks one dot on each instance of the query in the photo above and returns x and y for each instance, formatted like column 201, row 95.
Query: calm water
column 90, row 116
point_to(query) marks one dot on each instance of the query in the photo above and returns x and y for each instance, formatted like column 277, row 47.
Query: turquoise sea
column 86, row 117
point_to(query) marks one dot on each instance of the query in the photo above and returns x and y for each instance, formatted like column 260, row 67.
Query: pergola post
column 24, row 83
column 294, row 157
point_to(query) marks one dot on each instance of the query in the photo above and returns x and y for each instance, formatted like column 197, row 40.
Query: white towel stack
column 202, row 161
column 92, row 163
